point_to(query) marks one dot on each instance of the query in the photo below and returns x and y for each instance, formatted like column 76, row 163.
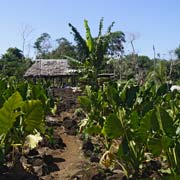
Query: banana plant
column 93, row 51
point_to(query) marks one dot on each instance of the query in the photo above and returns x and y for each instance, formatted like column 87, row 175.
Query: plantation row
column 23, row 106
column 140, row 124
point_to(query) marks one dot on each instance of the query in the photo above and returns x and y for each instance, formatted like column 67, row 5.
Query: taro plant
column 28, row 91
column 95, row 108
column 39, row 92
column 146, row 119
column 18, row 119
column 124, row 122
column 165, row 141
column 110, row 113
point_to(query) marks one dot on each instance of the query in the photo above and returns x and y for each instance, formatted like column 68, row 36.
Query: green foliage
column 82, row 48
column 175, row 75
column 112, row 122
column 39, row 92
column 9, row 113
column 146, row 118
column 144, row 62
column 28, row 91
column 177, row 52
column 22, row 108
column 18, row 119
column 79, row 112
column 64, row 48
column 13, row 63
column 12, row 54
column 43, row 45
column 89, row 39
column 33, row 116
column 94, row 51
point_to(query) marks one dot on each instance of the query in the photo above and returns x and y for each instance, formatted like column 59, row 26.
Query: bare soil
column 73, row 159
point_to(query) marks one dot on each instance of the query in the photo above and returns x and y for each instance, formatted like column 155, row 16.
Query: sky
column 153, row 22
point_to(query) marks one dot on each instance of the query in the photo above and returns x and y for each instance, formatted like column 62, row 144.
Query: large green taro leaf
column 166, row 122
column 9, row 112
column 33, row 116
column 112, row 126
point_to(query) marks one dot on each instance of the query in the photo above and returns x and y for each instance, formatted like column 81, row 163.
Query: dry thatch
column 50, row 68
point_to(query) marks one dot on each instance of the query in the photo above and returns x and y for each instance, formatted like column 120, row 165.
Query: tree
column 25, row 32
column 175, row 74
column 116, row 52
column 171, row 52
column 64, row 48
column 13, row 54
column 177, row 52
column 144, row 62
column 43, row 45
column 132, row 38
column 13, row 63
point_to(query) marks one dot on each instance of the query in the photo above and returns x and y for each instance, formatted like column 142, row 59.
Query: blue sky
column 152, row 21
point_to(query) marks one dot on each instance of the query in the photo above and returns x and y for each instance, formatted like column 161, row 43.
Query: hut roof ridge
column 50, row 67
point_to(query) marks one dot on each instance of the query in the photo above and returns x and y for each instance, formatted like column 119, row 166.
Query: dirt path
column 70, row 161
column 74, row 158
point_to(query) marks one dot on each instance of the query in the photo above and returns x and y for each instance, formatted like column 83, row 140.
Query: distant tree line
column 13, row 63
column 116, row 62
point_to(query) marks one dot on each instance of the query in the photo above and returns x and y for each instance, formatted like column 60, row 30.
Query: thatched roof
column 50, row 68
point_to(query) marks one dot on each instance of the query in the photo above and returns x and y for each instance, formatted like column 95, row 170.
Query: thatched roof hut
column 50, row 68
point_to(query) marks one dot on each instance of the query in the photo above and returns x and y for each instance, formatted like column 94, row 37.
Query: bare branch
column 25, row 32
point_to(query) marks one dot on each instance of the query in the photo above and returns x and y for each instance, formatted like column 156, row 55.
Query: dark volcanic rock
column 46, row 169
column 56, row 142
column 52, row 121
column 88, row 145
column 68, row 124
column 59, row 144
column 33, row 152
column 117, row 174
column 48, row 159
column 98, row 176
column 38, row 170
column 37, row 162
column 72, row 131
column 94, row 158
